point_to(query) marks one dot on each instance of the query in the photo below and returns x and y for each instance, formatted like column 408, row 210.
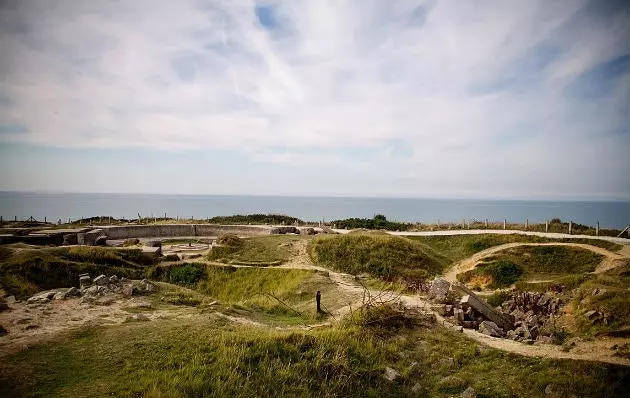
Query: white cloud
column 452, row 81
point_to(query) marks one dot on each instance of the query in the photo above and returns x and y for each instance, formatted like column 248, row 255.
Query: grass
column 459, row 247
column 531, row 262
column 266, row 250
column 387, row 257
column 24, row 272
column 210, row 357
column 613, row 299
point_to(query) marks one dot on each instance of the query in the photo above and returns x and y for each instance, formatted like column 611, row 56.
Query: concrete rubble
column 525, row 316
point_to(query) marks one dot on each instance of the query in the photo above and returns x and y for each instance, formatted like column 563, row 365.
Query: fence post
column 505, row 223
column 45, row 219
column 527, row 223
column 546, row 225
column 438, row 224
column 486, row 223
column 318, row 299
column 15, row 219
column 597, row 229
column 570, row 225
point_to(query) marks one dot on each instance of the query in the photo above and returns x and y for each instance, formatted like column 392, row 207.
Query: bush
column 181, row 274
column 378, row 222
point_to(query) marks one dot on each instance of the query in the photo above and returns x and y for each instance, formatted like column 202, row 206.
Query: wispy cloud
column 525, row 93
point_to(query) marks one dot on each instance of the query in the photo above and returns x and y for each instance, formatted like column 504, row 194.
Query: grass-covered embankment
column 25, row 271
column 384, row 256
column 531, row 262
column 261, row 251
column 209, row 357
column 459, row 247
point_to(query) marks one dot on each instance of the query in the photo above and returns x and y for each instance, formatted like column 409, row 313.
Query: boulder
column 73, row 291
column 84, row 281
column 439, row 289
column 490, row 328
column 113, row 279
column 469, row 393
column 471, row 299
column 308, row 231
column 101, row 280
column 148, row 285
column 390, row 374
column 127, row 290
column 10, row 300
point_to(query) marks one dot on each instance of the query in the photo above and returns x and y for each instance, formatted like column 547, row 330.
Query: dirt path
column 611, row 260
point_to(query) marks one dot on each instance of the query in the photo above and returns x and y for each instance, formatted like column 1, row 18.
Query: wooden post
column 570, row 225
column 505, row 223
column 438, row 224
column 597, row 229
column 318, row 299
column 69, row 220
column 468, row 224
column 486, row 223
column 526, row 223
column 15, row 219
column 45, row 220
column 546, row 225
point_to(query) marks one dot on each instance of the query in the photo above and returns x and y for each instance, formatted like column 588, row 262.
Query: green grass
column 532, row 262
column 614, row 299
column 27, row 271
column 459, row 247
column 209, row 357
column 266, row 250
column 387, row 257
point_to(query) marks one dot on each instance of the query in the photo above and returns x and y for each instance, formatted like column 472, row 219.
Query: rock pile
column 98, row 290
column 523, row 317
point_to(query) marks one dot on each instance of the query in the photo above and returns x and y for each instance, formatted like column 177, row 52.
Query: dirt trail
column 611, row 260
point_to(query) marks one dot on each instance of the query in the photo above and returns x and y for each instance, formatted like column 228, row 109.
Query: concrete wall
column 171, row 230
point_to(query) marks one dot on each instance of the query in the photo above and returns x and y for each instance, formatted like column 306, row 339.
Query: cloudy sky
column 487, row 99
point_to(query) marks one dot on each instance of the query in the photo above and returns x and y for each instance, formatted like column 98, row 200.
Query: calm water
column 78, row 205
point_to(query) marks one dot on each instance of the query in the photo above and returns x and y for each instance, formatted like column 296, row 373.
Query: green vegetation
column 531, row 262
column 24, row 272
column 388, row 257
column 612, row 298
column 274, row 219
column 210, row 357
column 378, row 222
column 459, row 247
column 261, row 251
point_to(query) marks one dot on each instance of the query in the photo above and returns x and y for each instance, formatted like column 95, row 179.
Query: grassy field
column 384, row 256
column 210, row 357
column 531, row 263
column 25, row 271
column 459, row 247
column 266, row 250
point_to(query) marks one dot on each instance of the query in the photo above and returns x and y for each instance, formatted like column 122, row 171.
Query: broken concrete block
column 502, row 320
column 101, row 280
column 439, row 289
column 490, row 328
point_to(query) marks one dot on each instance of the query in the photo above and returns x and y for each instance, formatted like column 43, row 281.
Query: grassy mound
column 24, row 272
column 273, row 219
column 531, row 262
column 208, row 357
column 266, row 250
column 459, row 247
column 387, row 257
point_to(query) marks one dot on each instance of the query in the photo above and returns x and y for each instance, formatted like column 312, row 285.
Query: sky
column 474, row 99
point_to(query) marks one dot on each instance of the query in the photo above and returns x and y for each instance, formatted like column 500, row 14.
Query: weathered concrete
column 172, row 230
column 479, row 305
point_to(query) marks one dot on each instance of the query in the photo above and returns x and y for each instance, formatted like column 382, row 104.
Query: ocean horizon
column 56, row 205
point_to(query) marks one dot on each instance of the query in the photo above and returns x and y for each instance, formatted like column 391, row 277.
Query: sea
column 64, row 206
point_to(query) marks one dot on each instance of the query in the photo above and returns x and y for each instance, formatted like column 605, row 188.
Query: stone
column 73, row 291
column 10, row 300
column 439, row 289
column 391, row 374
column 447, row 362
column 501, row 320
column 439, row 308
column 518, row 315
column 459, row 314
column 101, row 241
column 127, row 290
column 60, row 296
column 104, row 301
column 3, row 331
column 490, row 328
column 593, row 316
column 155, row 251
column 544, row 339
column 101, row 280
column 113, row 279
column 469, row 393
column 140, row 305
column 84, row 281
column 416, row 389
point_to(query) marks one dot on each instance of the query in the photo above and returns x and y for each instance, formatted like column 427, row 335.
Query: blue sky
column 492, row 99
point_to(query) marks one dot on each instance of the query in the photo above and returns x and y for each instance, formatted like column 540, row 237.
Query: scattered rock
column 416, row 389
column 490, row 328
column 84, row 281
column 140, row 305
column 113, row 279
column 3, row 331
column 469, row 393
column 148, row 286
column 10, row 300
column 104, row 301
column 391, row 374
column 446, row 362
column 101, row 280
column 127, row 290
